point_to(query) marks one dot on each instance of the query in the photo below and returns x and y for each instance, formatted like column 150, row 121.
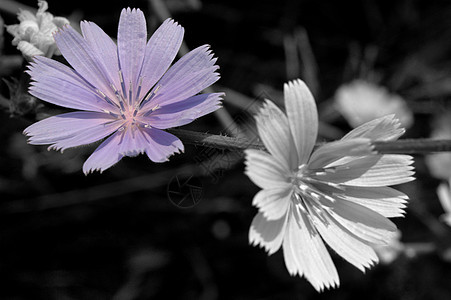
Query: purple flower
column 126, row 92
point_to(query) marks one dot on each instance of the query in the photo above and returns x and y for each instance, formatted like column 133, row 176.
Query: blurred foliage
column 116, row 235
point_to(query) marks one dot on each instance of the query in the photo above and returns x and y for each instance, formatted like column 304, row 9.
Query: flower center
column 128, row 106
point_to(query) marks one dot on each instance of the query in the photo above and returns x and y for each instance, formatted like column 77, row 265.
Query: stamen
column 119, row 97
column 121, row 77
column 130, row 93
column 149, row 96
column 105, row 97
column 152, row 110
column 139, row 87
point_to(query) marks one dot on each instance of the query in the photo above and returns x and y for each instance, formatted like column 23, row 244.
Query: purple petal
column 160, row 52
column 191, row 74
column 157, row 144
column 105, row 156
column 101, row 43
column 131, row 44
column 161, row 144
column 61, row 85
column 71, row 129
column 78, row 52
column 186, row 111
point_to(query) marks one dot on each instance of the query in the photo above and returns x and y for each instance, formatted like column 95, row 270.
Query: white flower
column 439, row 164
column 444, row 195
column 360, row 102
column 33, row 36
column 336, row 194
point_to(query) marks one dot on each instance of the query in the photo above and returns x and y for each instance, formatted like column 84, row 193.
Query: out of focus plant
column 361, row 101
column 440, row 163
column 34, row 34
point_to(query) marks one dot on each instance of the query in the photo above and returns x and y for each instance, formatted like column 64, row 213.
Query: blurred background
column 135, row 232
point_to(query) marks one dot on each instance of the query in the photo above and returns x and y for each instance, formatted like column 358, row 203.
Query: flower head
column 33, row 36
column 337, row 193
column 361, row 101
column 126, row 92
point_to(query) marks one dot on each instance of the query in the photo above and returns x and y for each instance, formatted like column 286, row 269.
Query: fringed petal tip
column 61, row 30
column 129, row 10
column 267, row 235
column 387, row 128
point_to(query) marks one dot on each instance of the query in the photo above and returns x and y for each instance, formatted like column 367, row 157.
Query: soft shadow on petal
column 302, row 117
column 191, row 74
column 58, row 84
column 131, row 45
column 346, row 244
column 105, row 156
column 161, row 144
column 267, row 234
column 101, row 43
column 374, row 170
column 306, row 255
column 334, row 151
column 71, row 129
column 383, row 200
column 265, row 171
column 273, row 203
column 161, row 50
column 364, row 223
column 273, row 129
column 78, row 52
column 382, row 129
column 185, row 111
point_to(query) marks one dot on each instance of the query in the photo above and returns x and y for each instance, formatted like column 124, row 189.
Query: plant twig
column 408, row 146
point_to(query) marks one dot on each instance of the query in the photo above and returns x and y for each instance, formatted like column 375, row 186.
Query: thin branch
column 408, row 146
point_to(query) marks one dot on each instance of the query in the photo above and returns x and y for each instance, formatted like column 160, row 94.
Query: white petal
column 28, row 49
column 302, row 117
column 382, row 129
column 273, row 203
column 305, row 253
column 342, row 241
column 334, row 151
column 265, row 171
column 364, row 223
column 444, row 195
column 383, row 200
column 374, row 170
column 273, row 129
column 267, row 234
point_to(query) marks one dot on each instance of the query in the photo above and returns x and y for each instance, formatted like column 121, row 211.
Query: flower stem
column 408, row 146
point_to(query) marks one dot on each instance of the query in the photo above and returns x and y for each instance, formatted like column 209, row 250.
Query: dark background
column 116, row 235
